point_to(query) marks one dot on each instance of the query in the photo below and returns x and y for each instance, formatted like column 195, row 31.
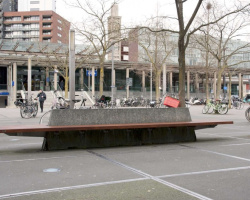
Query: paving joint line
column 184, row 190
column 205, row 172
column 225, row 136
column 35, row 192
column 218, row 153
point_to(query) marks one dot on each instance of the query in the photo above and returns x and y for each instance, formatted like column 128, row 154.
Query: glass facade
column 3, row 78
column 38, row 78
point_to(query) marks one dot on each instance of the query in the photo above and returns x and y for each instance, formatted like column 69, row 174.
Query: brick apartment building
column 40, row 26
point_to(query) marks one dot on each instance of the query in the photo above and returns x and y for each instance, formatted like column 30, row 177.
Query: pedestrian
column 42, row 97
column 62, row 84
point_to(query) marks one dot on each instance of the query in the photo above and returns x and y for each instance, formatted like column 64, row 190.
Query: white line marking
column 191, row 193
column 205, row 172
column 6, row 196
column 9, row 161
column 227, row 155
column 226, row 145
column 226, row 136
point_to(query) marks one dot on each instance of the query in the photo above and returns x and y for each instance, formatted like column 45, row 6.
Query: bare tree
column 99, row 30
column 59, row 55
column 222, row 44
column 186, row 31
column 157, row 47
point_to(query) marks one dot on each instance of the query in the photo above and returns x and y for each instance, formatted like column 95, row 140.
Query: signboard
column 4, row 93
column 89, row 72
column 129, row 81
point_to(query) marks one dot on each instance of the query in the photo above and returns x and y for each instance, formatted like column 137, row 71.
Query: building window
column 31, row 18
column 125, row 57
column 46, row 25
column 59, row 28
column 46, row 40
column 46, row 17
column 16, row 18
column 59, row 34
column 125, row 49
column 47, row 33
column 34, row 2
column 34, row 33
column 34, row 39
column 59, row 21
column 59, row 41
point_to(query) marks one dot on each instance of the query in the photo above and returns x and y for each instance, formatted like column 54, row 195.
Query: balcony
column 33, row 18
column 48, row 27
column 46, row 18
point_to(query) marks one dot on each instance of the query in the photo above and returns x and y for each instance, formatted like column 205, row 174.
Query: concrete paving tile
column 219, row 185
column 28, row 175
column 141, row 190
column 159, row 160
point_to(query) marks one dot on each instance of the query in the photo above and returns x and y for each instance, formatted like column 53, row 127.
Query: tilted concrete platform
column 114, row 127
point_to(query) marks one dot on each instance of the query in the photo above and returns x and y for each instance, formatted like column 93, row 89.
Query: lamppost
column 151, row 82
column 72, row 67
column 209, row 6
column 112, row 77
column 111, row 49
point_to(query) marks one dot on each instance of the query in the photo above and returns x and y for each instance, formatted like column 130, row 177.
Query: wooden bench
column 107, row 135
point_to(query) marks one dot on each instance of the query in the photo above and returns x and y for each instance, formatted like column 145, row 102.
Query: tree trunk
column 218, row 84
column 182, row 70
column 101, row 77
column 207, row 87
column 157, row 80
column 66, row 86
column 229, row 91
column 101, row 81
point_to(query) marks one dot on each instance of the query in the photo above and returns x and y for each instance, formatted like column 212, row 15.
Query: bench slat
column 44, row 128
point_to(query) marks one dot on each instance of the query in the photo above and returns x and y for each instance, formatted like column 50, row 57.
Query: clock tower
column 114, row 32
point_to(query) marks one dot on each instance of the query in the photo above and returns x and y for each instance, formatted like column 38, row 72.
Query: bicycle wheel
column 236, row 104
column 241, row 105
column 223, row 109
column 205, row 109
column 210, row 109
column 26, row 112
column 45, row 118
column 35, row 107
column 247, row 114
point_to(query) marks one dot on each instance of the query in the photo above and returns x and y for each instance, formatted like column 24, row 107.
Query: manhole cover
column 51, row 170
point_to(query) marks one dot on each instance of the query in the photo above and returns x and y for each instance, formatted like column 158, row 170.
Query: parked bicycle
column 82, row 102
column 236, row 102
column 216, row 107
column 101, row 102
column 28, row 107
column 247, row 113
column 59, row 102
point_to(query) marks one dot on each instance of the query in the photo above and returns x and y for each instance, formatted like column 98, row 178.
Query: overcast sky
column 131, row 11
column 135, row 12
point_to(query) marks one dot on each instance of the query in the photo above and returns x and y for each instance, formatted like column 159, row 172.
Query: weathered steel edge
column 44, row 128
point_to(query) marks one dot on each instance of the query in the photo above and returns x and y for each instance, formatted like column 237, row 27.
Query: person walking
column 42, row 97
column 62, row 85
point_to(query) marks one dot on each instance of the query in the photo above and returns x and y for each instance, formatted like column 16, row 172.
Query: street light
column 113, row 81
column 112, row 74
column 151, row 82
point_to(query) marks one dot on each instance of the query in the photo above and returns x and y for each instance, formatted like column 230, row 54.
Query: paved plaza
column 217, row 166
